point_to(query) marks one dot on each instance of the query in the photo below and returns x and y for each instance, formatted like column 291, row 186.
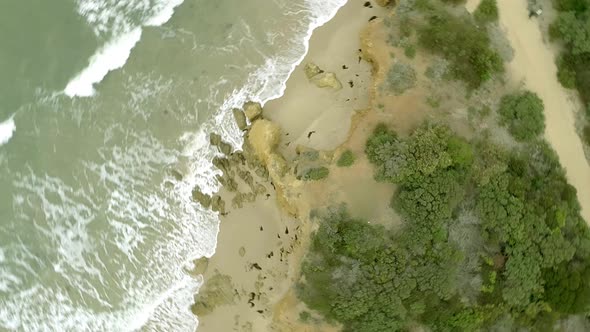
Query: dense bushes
column 401, row 77
column 572, row 26
column 465, row 45
column 523, row 114
column 534, row 264
column 486, row 12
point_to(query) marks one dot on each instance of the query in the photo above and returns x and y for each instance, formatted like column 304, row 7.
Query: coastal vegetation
column 522, row 113
column 572, row 29
column 316, row 173
column 492, row 238
column 462, row 42
column 346, row 159
column 486, row 12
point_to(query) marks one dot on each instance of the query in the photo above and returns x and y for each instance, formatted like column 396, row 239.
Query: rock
column 225, row 148
column 217, row 291
column 228, row 182
column 264, row 137
column 201, row 265
column 176, row 174
column 383, row 3
column 242, row 251
column 246, row 176
column 217, row 204
column 214, row 139
column 221, row 163
column 203, row 199
column 311, row 70
column 238, row 201
column 326, row 80
column 240, row 118
column 277, row 166
column 253, row 110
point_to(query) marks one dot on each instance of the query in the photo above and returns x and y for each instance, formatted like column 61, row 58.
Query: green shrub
column 571, row 26
column 523, row 114
column 466, row 46
column 305, row 316
column 410, row 51
column 315, row 174
column 486, row 12
column 401, row 77
column 565, row 74
column 346, row 159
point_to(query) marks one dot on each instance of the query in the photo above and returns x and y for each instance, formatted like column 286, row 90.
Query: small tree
column 523, row 114
column 486, row 12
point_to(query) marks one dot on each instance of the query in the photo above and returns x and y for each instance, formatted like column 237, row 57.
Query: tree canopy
column 523, row 114
column 532, row 262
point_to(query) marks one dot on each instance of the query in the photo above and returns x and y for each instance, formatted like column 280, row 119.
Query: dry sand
column 305, row 108
column 534, row 64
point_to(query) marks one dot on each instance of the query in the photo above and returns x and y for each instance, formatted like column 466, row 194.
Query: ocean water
column 105, row 111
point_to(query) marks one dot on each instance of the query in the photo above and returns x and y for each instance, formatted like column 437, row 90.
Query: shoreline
column 254, row 283
column 255, row 255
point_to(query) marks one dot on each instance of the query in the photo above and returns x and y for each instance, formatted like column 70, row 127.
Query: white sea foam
column 112, row 55
column 105, row 17
column 7, row 128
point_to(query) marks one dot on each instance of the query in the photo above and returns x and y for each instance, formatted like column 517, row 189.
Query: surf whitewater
column 98, row 226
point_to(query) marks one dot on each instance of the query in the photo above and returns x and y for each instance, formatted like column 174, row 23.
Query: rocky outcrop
column 264, row 137
column 311, row 70
column 252, row 110
column 240, row 118
column 218, row 291
column 383, row 3
column 203, row 199
column 321, row 78
column 217, row 204
column 215, row 140
column 327, row 80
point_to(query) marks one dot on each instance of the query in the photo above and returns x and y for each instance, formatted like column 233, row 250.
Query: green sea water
column 105, row 111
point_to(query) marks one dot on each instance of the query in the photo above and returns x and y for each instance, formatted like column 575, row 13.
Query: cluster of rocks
column 321, row 78
column 242, row 173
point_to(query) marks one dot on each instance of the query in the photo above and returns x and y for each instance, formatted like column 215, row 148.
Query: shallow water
column 105, row 108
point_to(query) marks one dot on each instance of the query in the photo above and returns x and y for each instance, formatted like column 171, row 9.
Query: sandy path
column 534, row 64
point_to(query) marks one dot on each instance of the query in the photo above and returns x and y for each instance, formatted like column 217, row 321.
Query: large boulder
column 264, row 137
column 199, row 196
column 326, row 80
column 240, row 118
column 217, row 204
column 217, row 291
column 252, row 110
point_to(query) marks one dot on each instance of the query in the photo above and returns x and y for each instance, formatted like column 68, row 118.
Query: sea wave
column 115, row 20
column 7, row 129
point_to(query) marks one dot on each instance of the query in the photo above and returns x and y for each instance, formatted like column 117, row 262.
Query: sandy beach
column 260, row 245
